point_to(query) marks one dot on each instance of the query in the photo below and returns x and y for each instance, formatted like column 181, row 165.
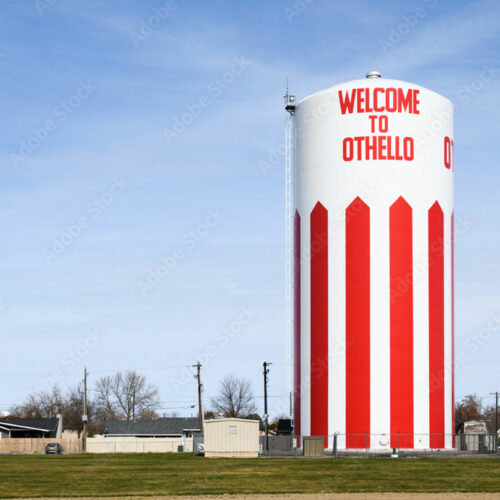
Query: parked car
column 53, row 449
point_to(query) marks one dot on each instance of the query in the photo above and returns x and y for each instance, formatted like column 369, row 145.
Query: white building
column 231, row 437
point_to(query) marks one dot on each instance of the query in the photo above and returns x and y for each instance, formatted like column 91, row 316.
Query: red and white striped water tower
column 373, row 265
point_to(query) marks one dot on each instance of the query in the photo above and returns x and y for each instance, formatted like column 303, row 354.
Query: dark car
column 53, row 449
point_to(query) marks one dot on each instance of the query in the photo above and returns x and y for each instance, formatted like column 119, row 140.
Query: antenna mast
column 289, row 150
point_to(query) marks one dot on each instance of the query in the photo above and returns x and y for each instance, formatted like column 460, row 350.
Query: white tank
column 373, row 266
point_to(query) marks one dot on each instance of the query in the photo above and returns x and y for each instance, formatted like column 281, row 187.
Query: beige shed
column 231, row 437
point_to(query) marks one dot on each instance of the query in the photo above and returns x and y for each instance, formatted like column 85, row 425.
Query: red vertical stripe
column 296, row 324
column 319, row 322
column 436, row 326
column 453, row 328
column 357, row 324
column 401, row 320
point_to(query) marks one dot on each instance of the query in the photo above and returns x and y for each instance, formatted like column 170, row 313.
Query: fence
column 345, row 444
column 339, row 444
column 100, row 444
column 276, row 444
column 482, row 443
column 37, row 445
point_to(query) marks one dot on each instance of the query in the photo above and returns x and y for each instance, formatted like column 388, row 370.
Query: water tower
column 372, row 268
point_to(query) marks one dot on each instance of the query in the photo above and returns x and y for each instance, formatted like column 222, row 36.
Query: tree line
column 123, row 396
column 129, row 396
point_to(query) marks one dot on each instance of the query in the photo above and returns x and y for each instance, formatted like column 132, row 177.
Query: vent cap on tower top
column 373, row 74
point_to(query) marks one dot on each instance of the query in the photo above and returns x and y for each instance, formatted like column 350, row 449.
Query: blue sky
column 141, row 190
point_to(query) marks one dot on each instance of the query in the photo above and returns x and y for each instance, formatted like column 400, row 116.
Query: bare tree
column 43, row 404
column 126, row 396
column 47, row 404
column 73, row 409
column 470, row 408
column 235, row 398
column 122, row 396
column 105, row 402
column 489, row 415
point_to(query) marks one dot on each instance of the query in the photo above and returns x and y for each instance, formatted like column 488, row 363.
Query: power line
column 98, row 370
column 178, row 407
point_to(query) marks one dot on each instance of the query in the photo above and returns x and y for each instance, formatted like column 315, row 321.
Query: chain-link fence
column 376, row 444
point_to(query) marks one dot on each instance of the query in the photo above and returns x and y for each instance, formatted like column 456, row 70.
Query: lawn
column 156, row 474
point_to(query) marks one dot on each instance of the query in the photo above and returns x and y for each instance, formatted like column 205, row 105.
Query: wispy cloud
column 215, row 162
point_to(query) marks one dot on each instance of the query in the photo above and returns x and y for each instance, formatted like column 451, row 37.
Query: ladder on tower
column 289, row 217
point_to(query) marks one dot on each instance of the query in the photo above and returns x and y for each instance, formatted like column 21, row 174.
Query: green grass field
column 121, row 475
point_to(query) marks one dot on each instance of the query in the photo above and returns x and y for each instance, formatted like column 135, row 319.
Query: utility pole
column 200, row 409
column 496, row 411
column 85, row 411
column 133, row 405
column 266, row 416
